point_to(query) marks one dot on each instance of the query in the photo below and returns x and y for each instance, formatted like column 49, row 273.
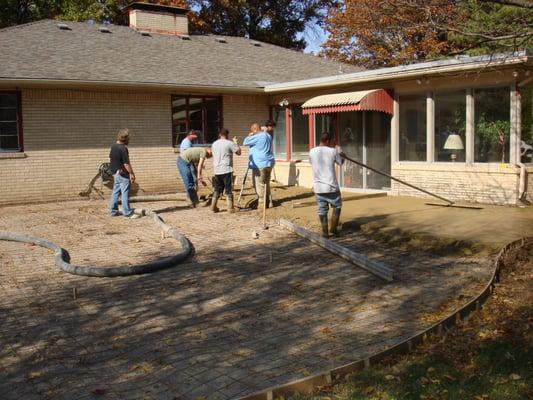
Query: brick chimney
column 154, row 18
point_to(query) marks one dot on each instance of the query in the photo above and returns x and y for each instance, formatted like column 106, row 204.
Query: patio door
column 365, row 137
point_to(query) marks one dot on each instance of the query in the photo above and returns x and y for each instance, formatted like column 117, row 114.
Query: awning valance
column 365, row 100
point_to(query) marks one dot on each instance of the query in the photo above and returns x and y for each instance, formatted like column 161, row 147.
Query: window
column 413, row 128
column 280, row 139
column 450, row 126
column 203, row 114
column 299, row 134
column 492, row 115
column 324, row 123
column 10, row 126
column 526, row 145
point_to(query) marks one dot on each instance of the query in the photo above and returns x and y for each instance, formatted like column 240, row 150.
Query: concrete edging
column 62, row 258
column 309, row 384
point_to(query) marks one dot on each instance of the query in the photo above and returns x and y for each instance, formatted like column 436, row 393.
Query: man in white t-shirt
column 223, row 150
column 327, row 191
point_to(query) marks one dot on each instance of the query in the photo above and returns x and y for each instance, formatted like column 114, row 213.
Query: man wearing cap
column 190, row 165
column 261, row 160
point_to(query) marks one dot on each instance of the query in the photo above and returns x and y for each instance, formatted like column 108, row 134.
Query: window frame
column 20, row 132
column 188, row 98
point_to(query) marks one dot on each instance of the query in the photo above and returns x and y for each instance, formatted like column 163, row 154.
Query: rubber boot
column 324, row 224
column 214, row 201
column 229, row 202
column 334, row 222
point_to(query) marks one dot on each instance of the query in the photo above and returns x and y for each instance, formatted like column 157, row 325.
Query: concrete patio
column 240, row 316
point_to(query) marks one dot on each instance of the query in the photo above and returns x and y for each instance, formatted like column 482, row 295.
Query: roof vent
column 145, row 34
column 185, row 37
column 256, row 44
column 104, row 29
column 221, row 40
column 64, row 27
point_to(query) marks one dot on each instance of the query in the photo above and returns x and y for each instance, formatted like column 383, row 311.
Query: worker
column 123, row 175
column 190, row 165
column 189, row 140
column 261, row 160
column 327, row 191
column 223, row 150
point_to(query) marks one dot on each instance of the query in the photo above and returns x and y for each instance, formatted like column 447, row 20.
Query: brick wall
column 160, row 22
column 67, row 134
column 490, row 184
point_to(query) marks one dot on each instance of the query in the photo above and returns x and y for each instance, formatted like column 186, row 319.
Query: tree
column 374, row 33
column 273, row 21
column 16, row 12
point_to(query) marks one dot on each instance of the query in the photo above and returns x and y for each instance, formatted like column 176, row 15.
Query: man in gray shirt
column 223, row 150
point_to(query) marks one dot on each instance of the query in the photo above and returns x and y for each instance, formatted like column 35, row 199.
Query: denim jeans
column 121, row 185
column 326, row 200
column 188, row 176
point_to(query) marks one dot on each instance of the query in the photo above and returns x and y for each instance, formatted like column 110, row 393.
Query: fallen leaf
column 515, row 377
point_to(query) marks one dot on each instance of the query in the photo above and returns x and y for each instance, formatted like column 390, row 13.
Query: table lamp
column 454, row 142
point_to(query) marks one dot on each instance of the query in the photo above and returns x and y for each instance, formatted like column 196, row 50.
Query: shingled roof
column 42, row 51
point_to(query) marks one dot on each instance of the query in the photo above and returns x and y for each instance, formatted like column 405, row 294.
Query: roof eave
column 74, row 83
column 384, row 75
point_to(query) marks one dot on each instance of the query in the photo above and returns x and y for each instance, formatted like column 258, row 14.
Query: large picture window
column 300, row 133
column 203, row 114
column 526, row 144
column 280, row 139
column 10, row 122
column 413, row 135
column 450, row 126
column 492, row 125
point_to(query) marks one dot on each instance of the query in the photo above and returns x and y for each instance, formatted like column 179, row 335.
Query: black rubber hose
column 62, row 259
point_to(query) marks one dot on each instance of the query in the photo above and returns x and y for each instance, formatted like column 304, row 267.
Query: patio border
column 62, row 258
column 309, row 384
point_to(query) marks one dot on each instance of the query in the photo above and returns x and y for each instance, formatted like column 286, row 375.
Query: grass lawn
column 488, row 357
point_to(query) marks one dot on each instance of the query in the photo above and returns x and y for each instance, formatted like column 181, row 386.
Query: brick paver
column 241, row 315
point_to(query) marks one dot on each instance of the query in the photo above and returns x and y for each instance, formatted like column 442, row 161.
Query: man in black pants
column 223, row 150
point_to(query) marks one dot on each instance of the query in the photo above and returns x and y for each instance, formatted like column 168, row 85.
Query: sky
column 314, row 35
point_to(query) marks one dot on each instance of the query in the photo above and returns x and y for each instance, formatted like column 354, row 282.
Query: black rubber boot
column 214, row 201
column 334, row 223
column 324, row 224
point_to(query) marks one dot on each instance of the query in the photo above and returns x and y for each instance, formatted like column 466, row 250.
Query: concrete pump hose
column 62, row 258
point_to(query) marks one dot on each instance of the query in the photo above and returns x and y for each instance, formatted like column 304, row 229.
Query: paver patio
column 241, row 315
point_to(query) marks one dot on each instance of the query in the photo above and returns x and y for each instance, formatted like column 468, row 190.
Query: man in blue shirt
column 188, row 141
column 261, row 160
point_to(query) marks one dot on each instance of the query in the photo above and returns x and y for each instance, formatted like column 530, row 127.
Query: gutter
column 71, row 83
column 393, row 73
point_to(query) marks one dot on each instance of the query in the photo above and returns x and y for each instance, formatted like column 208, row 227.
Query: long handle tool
column 448, row 202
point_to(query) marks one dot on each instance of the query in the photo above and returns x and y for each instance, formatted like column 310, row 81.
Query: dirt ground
column 487, row 357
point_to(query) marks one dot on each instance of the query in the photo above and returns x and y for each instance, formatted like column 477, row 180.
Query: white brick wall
column 67, row 134
column 489, row 184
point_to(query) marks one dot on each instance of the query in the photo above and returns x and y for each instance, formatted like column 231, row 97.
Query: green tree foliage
column 273, row 21
column 374, row 33
column 487, row 27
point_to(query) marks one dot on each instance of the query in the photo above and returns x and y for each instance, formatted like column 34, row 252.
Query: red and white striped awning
column 365, row 100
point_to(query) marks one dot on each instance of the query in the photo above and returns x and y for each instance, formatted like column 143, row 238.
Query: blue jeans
column 188, row 176
column 326, row 200
column 121, row 185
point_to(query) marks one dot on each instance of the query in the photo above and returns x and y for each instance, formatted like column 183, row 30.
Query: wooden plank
column 374, row 267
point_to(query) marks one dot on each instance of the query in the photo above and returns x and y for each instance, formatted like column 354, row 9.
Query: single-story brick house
column 66, row 88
